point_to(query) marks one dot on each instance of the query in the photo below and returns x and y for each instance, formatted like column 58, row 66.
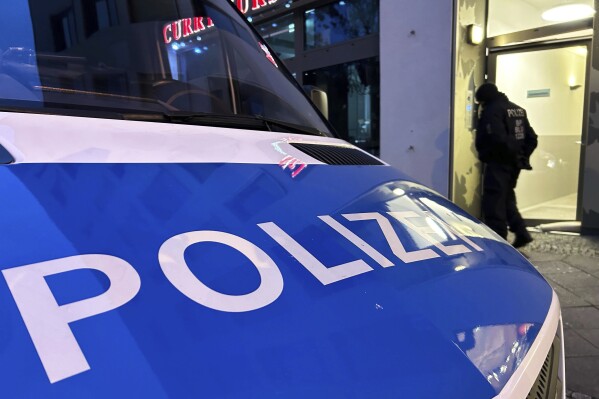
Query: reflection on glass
column 353, row 90
column 261, row 8
column 340, row 21
column 136, row 57
column 18, row 65
column 280, row 35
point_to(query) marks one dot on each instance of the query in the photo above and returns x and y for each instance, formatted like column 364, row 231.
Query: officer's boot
column 523, row 237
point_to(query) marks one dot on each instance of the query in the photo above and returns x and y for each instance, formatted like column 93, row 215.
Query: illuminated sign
column 185, row 27
column 252, row 5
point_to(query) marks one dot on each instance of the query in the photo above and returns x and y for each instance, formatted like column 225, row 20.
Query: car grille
column 547, row 384
column 337, row 155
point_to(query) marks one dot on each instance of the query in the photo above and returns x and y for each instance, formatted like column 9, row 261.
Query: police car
column 179, row 221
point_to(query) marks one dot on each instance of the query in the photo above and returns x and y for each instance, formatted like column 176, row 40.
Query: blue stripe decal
column 341, row 282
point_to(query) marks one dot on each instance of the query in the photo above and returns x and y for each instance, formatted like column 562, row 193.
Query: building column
column 416, row 46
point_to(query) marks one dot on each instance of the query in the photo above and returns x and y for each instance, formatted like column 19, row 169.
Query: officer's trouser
column 499, row 199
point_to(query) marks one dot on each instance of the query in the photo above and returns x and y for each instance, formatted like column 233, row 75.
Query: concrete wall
column 469, row 74
column 416, row 64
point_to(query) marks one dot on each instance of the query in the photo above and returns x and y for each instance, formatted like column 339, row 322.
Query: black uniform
column 504, row 141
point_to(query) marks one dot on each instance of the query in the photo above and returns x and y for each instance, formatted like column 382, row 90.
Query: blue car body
column 220, row 242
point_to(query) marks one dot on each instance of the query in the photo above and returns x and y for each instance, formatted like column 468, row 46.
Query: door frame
column 531, row 47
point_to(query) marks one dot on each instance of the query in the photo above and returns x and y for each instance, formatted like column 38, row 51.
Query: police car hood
column 252, row 280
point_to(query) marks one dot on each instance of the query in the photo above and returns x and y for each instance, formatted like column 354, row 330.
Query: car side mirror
column 319, row 98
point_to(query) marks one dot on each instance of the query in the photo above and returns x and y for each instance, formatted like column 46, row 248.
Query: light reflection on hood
column 497, row 351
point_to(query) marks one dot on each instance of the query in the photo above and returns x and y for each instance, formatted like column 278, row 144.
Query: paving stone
column 568, row 299
column 588, row 264
column 574, row 280
column 591, row 335
column 578, row 395
column 535, row 256
column 581, row 317
column 564, row 245
column 578, row 346
column 589, row 294
column 574, row 283
column 581, row 375
column 554, row 267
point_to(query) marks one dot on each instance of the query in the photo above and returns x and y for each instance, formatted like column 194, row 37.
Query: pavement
column 571, row 265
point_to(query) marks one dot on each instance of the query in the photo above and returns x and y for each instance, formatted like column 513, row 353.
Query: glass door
column 550, row 84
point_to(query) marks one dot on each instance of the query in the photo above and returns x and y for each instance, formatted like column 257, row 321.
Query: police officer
column 504, row 141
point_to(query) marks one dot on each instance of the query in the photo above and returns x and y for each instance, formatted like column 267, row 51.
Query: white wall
column 559, row 114
column 507, row 16
column 557, row 120
column 416, row 76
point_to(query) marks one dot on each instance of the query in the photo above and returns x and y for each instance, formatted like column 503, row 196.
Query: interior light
column 573, row 82
column 568, row 12
column 475, row 34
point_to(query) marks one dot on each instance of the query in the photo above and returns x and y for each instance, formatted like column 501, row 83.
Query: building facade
column 401, row 77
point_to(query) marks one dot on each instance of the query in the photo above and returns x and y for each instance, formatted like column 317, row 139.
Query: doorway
column 550, row 83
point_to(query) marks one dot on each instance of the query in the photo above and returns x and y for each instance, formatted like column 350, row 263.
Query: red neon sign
column 185, row 27
column 244, row 5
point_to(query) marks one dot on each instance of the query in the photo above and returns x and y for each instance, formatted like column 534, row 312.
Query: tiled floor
column 563, row 208
column 571, row 265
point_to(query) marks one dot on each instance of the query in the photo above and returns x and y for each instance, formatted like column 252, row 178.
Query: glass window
column 195, row 56
column 106, row 13
column 262, row 8
column 340, row 21
column 280, row 35
column 353, row 91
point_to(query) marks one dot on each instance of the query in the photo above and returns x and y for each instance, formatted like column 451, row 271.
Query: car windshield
column 198, row 57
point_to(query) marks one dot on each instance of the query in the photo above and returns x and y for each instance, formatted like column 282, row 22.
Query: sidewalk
column 571, row 265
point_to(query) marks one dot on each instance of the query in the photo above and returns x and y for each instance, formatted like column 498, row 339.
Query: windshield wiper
column 290, row 127
column 256, row 122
